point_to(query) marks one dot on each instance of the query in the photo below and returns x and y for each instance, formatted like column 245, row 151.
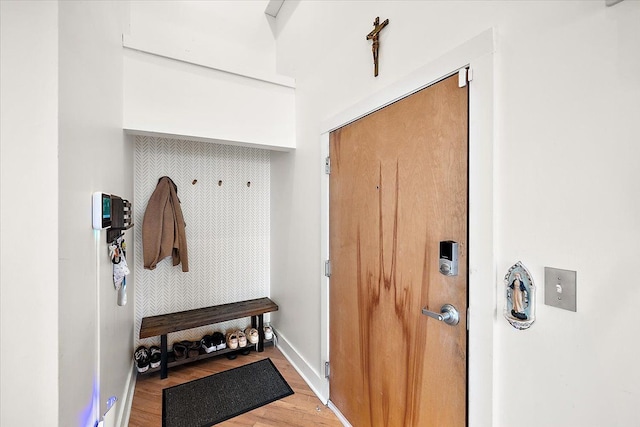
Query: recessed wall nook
column 224, row 195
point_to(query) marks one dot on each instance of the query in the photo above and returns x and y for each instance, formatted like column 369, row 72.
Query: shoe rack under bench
column 173, row 322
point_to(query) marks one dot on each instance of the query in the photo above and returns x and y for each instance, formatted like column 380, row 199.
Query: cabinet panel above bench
column 164, row 96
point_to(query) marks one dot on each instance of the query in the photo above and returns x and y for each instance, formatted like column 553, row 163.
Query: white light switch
column 560, row 288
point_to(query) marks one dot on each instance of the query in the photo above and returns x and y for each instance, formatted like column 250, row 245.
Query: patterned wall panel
column 227, row 229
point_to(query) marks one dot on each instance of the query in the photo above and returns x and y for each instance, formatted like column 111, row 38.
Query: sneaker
column 268, row 333
column 232, row 340
column 207, row 344
column 141, row 356
column 155, row 355
column 252, row 335
column 218, row 340
column 242, row 339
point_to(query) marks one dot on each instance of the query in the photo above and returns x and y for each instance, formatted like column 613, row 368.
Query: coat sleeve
column 179, row 252
column 153, row 225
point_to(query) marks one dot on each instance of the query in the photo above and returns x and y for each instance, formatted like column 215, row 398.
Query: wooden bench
column 173, row 322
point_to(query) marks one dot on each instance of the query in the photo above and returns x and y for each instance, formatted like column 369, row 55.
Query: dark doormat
column 218, row 397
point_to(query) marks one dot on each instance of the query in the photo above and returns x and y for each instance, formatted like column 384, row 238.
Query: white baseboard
column 127, row 399
column 318, row 384
column 341, row 417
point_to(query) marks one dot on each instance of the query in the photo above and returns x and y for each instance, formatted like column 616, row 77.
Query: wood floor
column 302, row 408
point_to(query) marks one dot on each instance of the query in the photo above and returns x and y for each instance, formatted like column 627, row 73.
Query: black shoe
column 141, row 356
column 207, row 344
column 219, row 341
column 155, row 356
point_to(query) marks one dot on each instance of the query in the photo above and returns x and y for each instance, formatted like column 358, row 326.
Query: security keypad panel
column 448, row 264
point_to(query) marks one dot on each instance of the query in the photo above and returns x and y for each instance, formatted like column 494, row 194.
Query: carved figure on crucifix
column 374, row 35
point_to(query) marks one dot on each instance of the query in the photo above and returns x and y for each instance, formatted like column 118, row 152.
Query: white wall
column 234, row 33
column 565, row 180
column 28, row 213
column 96, row 335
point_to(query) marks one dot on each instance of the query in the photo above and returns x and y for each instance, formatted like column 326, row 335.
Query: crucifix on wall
column 373, row 35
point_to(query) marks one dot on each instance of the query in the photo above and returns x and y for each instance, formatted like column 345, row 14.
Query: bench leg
column 254, row 324
column 164, row 357
column 261, row 332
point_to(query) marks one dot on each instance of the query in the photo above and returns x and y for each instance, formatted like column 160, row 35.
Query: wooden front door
column 398, row 186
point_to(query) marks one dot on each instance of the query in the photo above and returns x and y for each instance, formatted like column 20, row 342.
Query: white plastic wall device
column 101, row 211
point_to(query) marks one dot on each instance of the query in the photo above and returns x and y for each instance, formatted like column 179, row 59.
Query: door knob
column 448, row 314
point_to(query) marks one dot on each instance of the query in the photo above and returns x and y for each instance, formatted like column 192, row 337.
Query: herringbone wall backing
column 227, row 229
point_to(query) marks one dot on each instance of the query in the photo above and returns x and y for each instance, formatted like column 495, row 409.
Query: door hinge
column 465, row 75
column 327, row 165
column 326, row 369
column 468, row 311
column 327, row 268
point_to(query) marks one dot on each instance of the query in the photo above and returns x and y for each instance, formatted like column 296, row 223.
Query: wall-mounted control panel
column 101, row 210
column 111, row 212
column 560, row 288
column 448, row 264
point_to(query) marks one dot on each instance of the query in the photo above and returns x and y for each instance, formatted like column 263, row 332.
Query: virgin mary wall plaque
column 520, row 301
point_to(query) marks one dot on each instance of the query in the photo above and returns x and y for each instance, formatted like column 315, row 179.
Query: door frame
column 477, row 54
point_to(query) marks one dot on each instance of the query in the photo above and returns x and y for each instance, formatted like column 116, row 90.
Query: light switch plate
column 560, row 288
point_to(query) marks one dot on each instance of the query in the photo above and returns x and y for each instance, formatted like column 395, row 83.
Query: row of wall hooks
column 195, row 181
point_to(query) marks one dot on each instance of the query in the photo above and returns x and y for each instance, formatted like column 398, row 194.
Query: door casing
column 477, row 54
